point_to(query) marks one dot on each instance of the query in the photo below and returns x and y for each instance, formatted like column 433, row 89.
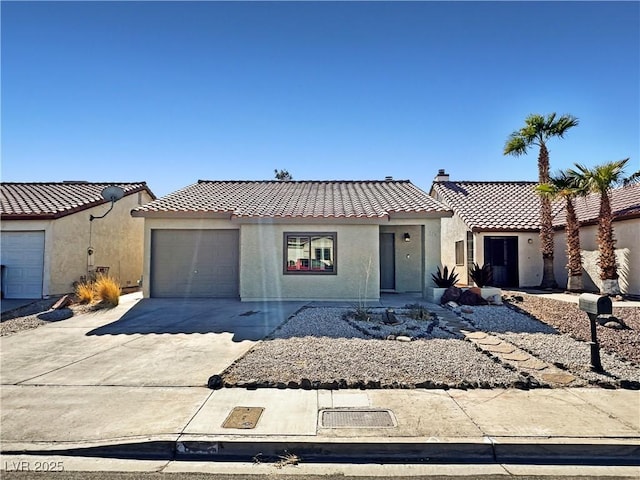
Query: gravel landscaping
column 330, row 348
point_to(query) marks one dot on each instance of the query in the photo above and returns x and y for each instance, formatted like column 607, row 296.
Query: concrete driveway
column 142, row 342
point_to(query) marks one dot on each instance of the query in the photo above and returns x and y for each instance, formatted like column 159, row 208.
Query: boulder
column 470, row 298
column 215, row 382
column 614, row 325
column 451, row 294
column 56, row 315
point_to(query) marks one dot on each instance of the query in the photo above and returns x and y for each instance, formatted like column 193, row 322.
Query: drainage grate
column 350, row 418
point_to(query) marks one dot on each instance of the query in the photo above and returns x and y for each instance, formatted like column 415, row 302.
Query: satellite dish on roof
column 112, row 193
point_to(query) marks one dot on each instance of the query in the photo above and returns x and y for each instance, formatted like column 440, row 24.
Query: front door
column 387, row 261
column 502, row 254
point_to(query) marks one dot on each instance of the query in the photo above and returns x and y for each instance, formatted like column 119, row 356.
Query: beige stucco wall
column 626, row 233
column 453, row 230
column 261, row 265
column 116, row 239
column 357, row 266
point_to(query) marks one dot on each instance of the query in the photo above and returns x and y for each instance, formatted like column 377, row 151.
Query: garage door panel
column 23, row 257
column 194, row 263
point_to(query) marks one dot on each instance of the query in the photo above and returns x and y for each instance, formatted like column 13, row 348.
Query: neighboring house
column 302, row 240
column 625, row 206
column 46, row 235
column 498, row 223
column 493, row 222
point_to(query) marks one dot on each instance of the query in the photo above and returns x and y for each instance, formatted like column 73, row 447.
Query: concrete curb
column 484, row 450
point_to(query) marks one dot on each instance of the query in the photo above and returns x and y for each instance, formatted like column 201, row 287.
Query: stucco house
column 302, row 240
column 48, row 241
column 498, row 223
column 492, row 222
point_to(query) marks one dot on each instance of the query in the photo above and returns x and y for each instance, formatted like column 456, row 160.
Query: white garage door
column 23, row 258
column 194, row 263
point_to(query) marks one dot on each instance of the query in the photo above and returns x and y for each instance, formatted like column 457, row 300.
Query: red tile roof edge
column 142, row 186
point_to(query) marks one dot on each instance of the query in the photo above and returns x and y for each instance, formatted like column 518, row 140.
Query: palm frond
column 632, row 179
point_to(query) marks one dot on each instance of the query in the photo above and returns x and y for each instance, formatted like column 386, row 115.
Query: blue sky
column 170, row 93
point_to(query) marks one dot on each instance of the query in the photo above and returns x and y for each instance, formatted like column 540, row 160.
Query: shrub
column 107, row 290
column 443, row 279
column 85, row 292
column 481, row 276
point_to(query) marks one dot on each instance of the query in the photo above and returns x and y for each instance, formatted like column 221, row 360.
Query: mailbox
column 595, row 304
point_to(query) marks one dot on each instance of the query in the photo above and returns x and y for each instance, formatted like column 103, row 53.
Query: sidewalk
column 555, row 426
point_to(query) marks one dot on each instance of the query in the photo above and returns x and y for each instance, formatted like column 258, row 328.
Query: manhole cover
column 350, row 418
column 243, row 417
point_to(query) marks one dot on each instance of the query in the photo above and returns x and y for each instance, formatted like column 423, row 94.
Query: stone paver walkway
column 521, row 360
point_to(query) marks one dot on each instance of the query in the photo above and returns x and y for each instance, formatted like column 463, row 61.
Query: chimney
column 442, row 176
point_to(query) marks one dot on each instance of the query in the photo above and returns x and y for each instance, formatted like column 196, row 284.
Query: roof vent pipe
column 388, row 178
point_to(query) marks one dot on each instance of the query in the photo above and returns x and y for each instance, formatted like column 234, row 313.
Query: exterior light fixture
column 530, row 241
column 407, row 237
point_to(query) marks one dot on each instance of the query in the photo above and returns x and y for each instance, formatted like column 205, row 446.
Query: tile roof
column 492, row 206
column 625, row 203
column 296, row 199
column 32, row 201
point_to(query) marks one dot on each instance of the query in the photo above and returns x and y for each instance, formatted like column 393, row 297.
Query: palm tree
column 600, row 180
column 537, row 130
column 564, row 186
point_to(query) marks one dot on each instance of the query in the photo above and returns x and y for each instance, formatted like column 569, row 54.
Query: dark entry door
column 502, row 254
column 387, row 261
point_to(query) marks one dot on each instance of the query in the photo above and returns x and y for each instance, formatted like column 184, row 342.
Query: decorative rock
column 476, row 290
column 56, row 315
column 488, row 341
column 305, row 384
column 403, row 338
column 466, row 310
column 614, row 325
column 470, row 298
column 451, row 294
column 215, row 382
column 65, row 301
column 494, row 300
column 452, row 304
column 391, row 337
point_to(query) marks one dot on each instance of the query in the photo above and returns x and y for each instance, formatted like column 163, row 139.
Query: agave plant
column 444, row 279
column 482, row 276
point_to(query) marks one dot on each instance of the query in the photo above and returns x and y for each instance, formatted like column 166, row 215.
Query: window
column 460, row 252
column 310, row 253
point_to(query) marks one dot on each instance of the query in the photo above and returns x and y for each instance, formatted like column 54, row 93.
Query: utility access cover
column 243, row 417
column 360, row 418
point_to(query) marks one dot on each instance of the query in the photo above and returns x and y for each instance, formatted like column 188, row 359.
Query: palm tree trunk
column 606, row 245
column 574, row 263
column 546, row 225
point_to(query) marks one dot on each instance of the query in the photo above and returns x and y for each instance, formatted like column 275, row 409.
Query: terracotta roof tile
column 625, row 202
column 299, row 199
column 492, row 206
column 25, row 201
